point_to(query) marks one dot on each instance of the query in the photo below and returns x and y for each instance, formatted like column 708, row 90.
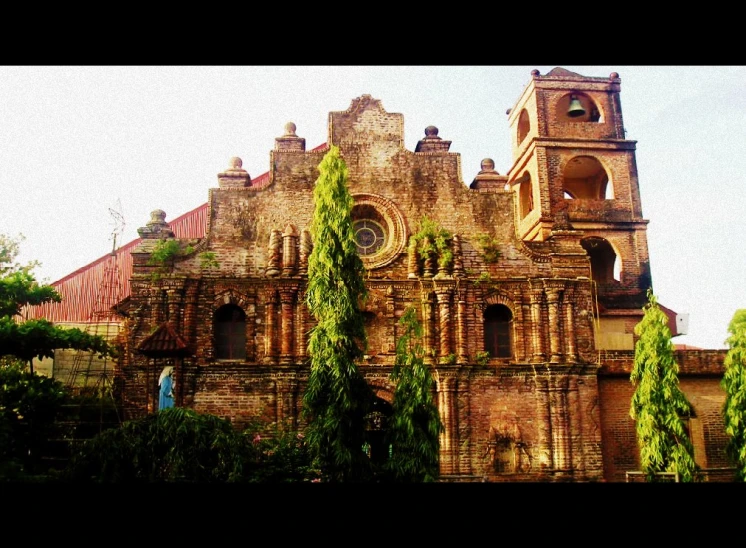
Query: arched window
column 230, row 333
column 524, row 126
column 526, row 196
column 498, row 323
column 605, row 266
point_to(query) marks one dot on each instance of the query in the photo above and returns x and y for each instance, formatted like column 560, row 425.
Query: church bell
column 576, row 109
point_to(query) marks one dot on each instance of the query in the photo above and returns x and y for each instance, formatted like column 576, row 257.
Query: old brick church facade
column 528, row 311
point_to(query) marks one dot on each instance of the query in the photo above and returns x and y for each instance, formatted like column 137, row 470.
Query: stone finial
column 535, row 72
column 614, row 75
column 488, row 165
column 431, row 142
column 431, row 132
column 235, row 176
column 156, row 227
column 488, row 178
column 290, row 141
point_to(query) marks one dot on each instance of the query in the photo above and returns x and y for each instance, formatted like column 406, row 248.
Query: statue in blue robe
column 166, row 383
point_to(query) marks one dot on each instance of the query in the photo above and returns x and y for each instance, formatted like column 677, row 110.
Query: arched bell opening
column 584, row 178
column 578, row 107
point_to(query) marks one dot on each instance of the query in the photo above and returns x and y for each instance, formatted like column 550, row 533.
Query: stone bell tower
column 573, row 164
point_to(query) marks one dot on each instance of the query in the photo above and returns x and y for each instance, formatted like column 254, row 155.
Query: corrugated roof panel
column 82, row 290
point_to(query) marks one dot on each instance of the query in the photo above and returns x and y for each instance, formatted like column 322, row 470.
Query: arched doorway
column 376, row 424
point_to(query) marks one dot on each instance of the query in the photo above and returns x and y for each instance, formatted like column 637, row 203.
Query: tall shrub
column 414, row 427
column 658, row 405
column 337, row 397
column 734, row 384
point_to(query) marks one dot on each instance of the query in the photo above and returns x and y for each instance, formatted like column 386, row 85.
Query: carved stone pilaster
column 537, row 325
column 428, row 268
column 412, row 265
column 287, row 315
column 270, row 335
column 447, row 387
column 553, row 302
column 461, row 320
column 302, row 323
column 306, row 246
column 570, row 336
column 458, row 260
column 443, row 296
column 274, row 253
column 429, row 327
column 289, row 251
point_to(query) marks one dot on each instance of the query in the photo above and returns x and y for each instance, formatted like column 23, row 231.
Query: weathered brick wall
column 541, row 415
column 701, row 387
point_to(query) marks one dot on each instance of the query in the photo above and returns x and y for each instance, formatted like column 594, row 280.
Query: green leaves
column 414, row 427
column 659, row 407
column 33, row 338
column 337, row 398
column 734, row 384
column 39, row 339
column 432, row 239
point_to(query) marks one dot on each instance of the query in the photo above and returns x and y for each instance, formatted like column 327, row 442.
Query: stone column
column 544, row 425
column 429, row 327
column 575, row 427
column 523, row 352
column 287, row 334
column 274, row 253
column 449, row 442
column 270, row 329
column 537, row 325
column 429, row 263
column 306, row 246
column 412, row 260
column 461, row 332
column 458, row 262
column 560, row 425
column 443, row 296
column 390, row 338
column 302, row 323
column 571, row 355
column 289, row 251
column 553, row 295
column 190, row 313
column 174, row 307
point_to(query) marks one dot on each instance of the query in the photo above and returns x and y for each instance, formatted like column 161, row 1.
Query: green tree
column 414, row 426
column 29, row 407
column 337, row 398
column 734, row 384
column 29, row 339
column 658, row 404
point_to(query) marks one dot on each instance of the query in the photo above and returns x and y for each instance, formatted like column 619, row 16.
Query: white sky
column 79, row 141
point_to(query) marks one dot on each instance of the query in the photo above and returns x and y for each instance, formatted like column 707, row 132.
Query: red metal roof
column 106, row 281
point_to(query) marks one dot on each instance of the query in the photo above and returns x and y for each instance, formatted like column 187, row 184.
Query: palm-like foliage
column 658, row 404
column 414, row 427
column 734, row 384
